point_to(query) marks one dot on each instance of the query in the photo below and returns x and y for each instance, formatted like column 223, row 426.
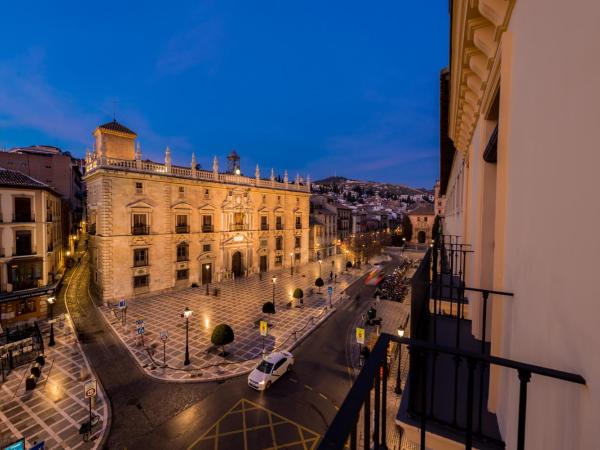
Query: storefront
column 24, row 306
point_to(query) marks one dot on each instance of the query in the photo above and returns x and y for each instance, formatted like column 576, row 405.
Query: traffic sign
column 18, row 445
column 330, row 290
column 122, row 303
column 360, row 335
column 89, row 388
column 264, row 328
column 164, row 336
column 140, row 330
column 139, row 322
column 39, row 446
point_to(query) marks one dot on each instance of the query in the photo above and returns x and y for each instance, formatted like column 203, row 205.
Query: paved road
column 153, row 415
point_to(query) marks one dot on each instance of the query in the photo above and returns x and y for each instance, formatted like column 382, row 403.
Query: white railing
column 96, row 162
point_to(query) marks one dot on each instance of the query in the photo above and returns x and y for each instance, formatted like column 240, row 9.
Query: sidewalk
column 239, row 305
column 54, row 410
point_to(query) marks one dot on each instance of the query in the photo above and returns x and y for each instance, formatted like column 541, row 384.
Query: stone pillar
column 168, row 159
column 193, row 165
column 215, row 169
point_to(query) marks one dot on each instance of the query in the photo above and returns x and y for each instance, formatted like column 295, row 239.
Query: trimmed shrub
column 268, row 308
column 221, row 336
column 319, row 283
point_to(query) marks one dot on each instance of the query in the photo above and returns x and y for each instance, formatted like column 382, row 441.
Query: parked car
column 270, row 370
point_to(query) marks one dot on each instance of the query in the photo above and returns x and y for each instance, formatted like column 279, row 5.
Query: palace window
column 278, row 243
column 263, row 243
column 140, row 281
column 183, row 251
column 139, row 187
column 297, row 242
column 278, row 260
column 297, row 256
column 206, row 194
column 298, row 222
column 140, row 257
column 182, row 226
column 181, row 191
column 238, row 221
column 278, row 223
column 206, row 248
column 183, row 274
column 264, row 223
column 140, row 224
column 207, row 226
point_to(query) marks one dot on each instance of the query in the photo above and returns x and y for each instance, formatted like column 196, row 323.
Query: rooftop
column 12, row 178
column 116, row 126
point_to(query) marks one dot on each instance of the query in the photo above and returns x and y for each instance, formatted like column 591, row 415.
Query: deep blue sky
column 320, row 87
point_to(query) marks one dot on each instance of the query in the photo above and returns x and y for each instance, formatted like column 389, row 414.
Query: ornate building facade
column 157, row 226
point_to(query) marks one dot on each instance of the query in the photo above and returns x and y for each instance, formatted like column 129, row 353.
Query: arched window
column 183, row 251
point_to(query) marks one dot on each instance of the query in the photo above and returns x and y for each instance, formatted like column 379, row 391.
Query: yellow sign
column 360, row 335
column 264, row 328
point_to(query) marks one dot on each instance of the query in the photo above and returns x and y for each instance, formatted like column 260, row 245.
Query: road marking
column 325, row 397
column 293, row 380
column 211, row 436
column 308, row 387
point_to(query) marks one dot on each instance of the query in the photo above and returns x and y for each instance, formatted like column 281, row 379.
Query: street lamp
column 398, row 388
column 292, row 263
column 274, row 280
column 320, row 268
column 51, row 301
column 207, row 267
column 187, row 313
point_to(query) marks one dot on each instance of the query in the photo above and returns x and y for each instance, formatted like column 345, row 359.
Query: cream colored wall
column 546, row 175
column 552, row 158
column 113, row 199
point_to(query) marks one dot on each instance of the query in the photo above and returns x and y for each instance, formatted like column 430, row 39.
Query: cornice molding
column 477, row 27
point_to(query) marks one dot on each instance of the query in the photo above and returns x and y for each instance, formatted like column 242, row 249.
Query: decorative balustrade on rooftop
column 96, row 162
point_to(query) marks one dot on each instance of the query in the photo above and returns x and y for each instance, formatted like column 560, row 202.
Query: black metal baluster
column 471, row 363
column 431, row 397
column 353, row 437
column 483, row 367
column 524, row 378
column 423, row 397
column 377, row 408
column 367, row 421
column 384, row 407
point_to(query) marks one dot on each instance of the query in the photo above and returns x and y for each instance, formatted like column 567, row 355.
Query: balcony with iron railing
column 182, row 229
column 238, row 227
column 92, row 229
column 446, row 390
column 140, row 229
column 279, row 226
column 207, row 228
column 264, row 226
column 23, row 217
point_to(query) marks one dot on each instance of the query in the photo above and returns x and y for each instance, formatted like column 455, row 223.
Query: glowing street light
column 187, row 313
column 51, row 301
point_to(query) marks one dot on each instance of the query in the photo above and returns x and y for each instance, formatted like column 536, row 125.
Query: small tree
column 221, row 336
column 319, row 283
column 407, row 229
column 298, row 295
column 348, row 265
column 268, row 308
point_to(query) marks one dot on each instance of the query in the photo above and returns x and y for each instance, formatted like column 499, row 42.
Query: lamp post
column 398, row 388
column 274, row 280
column 292, row 263
column 320, row 261
column 187, row 313
column 51, row 342
column 403, row 244
column 207, row 267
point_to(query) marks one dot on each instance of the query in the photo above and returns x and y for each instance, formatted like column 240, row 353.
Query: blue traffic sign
column 39, row 446
column 18, row 445
column 140, row 330
column 330, row 290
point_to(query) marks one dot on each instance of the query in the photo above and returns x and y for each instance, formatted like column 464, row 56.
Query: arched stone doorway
column 236, row 264
column 421, row 237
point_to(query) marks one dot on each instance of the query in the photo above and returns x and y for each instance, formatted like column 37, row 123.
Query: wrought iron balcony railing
column 373, row 377
column 182, row 229
column 279, row 226
column 207, row 228
column 264, row 226
column 140, row 229
column 23, row 217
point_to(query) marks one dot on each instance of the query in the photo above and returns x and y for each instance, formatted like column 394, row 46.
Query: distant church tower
column 114, row 140
column 233, row 164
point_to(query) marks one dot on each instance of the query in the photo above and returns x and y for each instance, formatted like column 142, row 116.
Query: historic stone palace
column 156, row 226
